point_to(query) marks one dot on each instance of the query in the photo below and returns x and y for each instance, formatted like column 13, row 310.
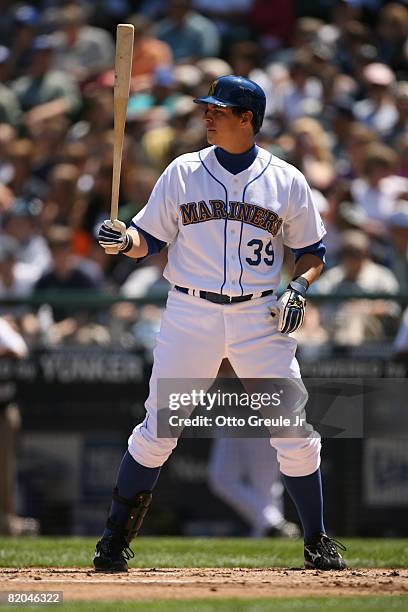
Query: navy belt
column 217, row 298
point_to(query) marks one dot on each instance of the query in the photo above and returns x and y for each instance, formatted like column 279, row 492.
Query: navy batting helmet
column 237, row 92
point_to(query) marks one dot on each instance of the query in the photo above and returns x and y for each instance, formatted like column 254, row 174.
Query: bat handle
column 111, row 251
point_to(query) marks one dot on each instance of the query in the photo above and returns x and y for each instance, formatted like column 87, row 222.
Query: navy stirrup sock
column 307, row 495
column 132, row 479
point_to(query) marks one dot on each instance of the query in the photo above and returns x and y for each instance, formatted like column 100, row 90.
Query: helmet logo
column 213, row 87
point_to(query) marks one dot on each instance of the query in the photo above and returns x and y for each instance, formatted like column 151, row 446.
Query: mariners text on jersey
column 252, row 215
column 198, row 212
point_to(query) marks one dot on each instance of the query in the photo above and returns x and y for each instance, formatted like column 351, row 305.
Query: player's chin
column 212, row 136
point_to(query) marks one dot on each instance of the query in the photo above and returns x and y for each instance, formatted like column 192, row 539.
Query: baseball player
column 244, row 473
column 225, row 213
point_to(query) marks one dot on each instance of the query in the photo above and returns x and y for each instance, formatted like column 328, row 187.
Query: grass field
column 293, row 604
column 197, row 552
column 164, row 553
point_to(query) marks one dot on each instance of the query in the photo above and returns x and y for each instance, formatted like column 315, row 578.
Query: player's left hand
column 291, row 310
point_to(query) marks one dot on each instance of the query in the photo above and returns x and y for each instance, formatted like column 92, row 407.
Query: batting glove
column 113, row 238
column 291, row 306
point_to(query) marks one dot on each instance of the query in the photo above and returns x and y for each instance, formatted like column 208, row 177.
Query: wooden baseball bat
column 123, row 66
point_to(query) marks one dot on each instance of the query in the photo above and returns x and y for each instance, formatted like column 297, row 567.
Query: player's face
column 222, row 125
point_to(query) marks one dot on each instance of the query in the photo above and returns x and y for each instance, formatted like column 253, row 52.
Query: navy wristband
column 299, row 284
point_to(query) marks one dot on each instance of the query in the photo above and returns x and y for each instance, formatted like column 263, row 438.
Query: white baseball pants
column 195, row 336
column 245, row 474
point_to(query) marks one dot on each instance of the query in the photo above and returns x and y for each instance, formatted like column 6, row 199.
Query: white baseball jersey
column 226, row 232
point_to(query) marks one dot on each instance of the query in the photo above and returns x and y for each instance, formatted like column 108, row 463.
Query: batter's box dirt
column 181, row 583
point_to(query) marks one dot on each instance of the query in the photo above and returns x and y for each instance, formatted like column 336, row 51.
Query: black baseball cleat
column 113, row 551
column 112, row 554
column 321, row 553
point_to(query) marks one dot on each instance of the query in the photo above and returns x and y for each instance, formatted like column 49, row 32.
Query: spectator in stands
column 22, row 181
column 64, row 204
column 341, row 120
column 345, row 11
column 357, row 273
column 157, row 141
column 157, row 104
column 76, row 154
column 311, row 152
column 359, row 320
column 392, row 32
column 81, row 50
column 303, row 36
column 378, row 189
column 21, row 223
column 10, row 111
column 353, row 47
column 398, row 227
column 7, row 137
column 98, row 196
column 48, row 136
column 108, row 13
column 149, row 53
column 212, row 68
column 96, row 120
column 188, row 77
column 67, row 272
column 400, row 128
column 378, row 110
column 244, row 57
column 230, row 16
column 305, row 92
column 189, row 34
column 25, row 26
column 359, row 137
column 147, row 278
column 329, row 75
column 137, row 187
column 402, row 152
column 43, row 89
column 17, row 279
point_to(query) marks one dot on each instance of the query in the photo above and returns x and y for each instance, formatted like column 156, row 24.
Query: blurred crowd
column 336, row 77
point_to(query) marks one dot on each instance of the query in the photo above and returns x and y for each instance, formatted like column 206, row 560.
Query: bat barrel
column 123, row 67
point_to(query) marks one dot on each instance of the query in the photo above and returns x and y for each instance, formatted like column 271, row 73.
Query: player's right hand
column 112, row 236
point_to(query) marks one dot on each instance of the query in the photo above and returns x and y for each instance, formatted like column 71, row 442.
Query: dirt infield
column 180, row 583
